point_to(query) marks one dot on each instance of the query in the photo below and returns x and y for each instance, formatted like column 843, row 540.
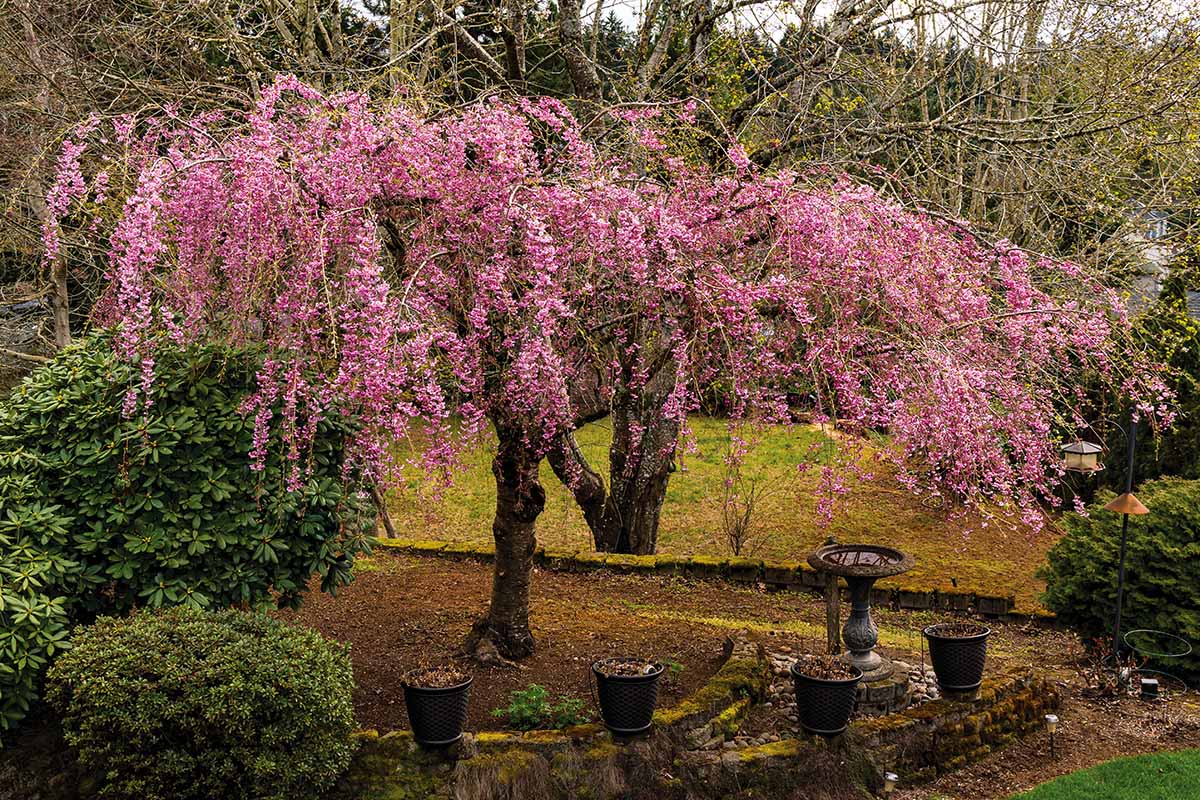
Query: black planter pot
column 957, row 660
column 627, row 702
column 824, row 706
column 437, row 716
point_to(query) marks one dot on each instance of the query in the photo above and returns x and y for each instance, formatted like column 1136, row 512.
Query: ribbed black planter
column 627, row 702
column 437, row 716
column 957, row 660
column 824, row 706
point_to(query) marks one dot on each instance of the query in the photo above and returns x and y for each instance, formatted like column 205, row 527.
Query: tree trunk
column 573, row 469
column 833, row 614
column 624, row 516
column 59, row 299
column 504, row 633
column 584, row 77
column 641, row 460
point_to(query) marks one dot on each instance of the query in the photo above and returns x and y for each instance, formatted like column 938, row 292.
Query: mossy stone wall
column 942, row 735
column 795, row 575
column 690, row 754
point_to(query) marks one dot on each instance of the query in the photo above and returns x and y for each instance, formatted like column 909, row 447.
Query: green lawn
column 998, row 559
column 1164, row 776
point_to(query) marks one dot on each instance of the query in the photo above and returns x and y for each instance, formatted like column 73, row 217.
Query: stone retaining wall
column 695, row 751
column 942, row 735
column 795, row 575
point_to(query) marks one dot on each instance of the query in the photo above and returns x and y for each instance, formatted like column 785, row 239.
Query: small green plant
column 195, row 705
column 531, row 708
column 674, row 670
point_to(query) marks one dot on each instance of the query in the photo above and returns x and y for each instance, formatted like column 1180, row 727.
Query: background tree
column 59, row 63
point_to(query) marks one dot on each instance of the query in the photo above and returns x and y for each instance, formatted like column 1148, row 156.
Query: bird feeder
column 1081, row 456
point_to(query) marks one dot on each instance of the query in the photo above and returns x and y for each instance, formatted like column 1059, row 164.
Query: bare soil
column 403, row 613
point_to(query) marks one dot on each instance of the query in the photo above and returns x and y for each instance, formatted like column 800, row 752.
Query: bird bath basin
column 861, row 565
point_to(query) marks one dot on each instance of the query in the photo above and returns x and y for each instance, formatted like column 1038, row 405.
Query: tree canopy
column 435, row 275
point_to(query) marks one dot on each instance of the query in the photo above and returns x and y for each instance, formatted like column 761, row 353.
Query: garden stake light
column 889, row 783
column 1052, row 726
column 1125, row 505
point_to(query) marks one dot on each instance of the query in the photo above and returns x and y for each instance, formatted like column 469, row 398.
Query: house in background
column 1152, row 247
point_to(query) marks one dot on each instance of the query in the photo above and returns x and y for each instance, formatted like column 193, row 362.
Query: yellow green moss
column 589, row 560
column 468, row 549
column 671, row 564
column 738, row 678
column 505, row 765
column 386, row 768
column 927, row 712
column 602, row 750
column 632, row 562
column 489, row 739
column 879, row 725
column 729, row 720
column 426, row 546
column 713, row 563
column 740, row 567
column 784, row 748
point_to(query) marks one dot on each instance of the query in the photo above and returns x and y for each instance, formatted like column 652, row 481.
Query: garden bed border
column 894, row 593
column 690, row 755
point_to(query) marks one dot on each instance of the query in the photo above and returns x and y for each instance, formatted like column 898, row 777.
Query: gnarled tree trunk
column 641, row 459
column 624, row 516
column 504, row 633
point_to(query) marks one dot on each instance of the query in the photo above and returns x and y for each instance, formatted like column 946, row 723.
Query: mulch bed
column 404, row 612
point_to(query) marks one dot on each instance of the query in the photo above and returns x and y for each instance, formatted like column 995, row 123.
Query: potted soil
column 436, row 699
column 627, row 690
column 958, row 651
column 826, row 689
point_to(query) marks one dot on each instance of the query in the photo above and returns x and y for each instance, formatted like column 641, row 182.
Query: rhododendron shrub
column 493, row 268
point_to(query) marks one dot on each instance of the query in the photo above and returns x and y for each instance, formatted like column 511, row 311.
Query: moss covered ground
column 953, row 552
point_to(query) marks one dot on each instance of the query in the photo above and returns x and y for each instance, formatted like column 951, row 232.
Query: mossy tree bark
column 504, row 632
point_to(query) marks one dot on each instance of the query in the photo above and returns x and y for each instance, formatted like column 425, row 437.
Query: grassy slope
column 997, row 559
column 1163, row 776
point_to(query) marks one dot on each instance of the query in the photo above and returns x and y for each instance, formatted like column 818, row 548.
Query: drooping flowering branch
column 435, row 275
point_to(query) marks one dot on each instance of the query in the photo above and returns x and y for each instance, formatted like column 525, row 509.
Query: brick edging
column 793, row 575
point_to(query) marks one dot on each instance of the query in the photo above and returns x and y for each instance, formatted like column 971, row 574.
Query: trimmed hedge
column 182, row 704
column 1162, row 573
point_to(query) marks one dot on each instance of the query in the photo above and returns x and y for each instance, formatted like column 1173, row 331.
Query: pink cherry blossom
column 433, row 274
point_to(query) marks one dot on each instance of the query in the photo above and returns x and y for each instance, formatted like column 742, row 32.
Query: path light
column 1081, row 456
column 1052, row 726
column 889, row 783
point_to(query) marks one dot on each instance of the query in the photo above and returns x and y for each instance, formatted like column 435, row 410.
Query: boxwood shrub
column 1162, row 573
column 101, row 512
column 181, row 704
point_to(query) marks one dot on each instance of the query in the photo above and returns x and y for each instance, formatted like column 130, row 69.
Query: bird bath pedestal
column 861, row 565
